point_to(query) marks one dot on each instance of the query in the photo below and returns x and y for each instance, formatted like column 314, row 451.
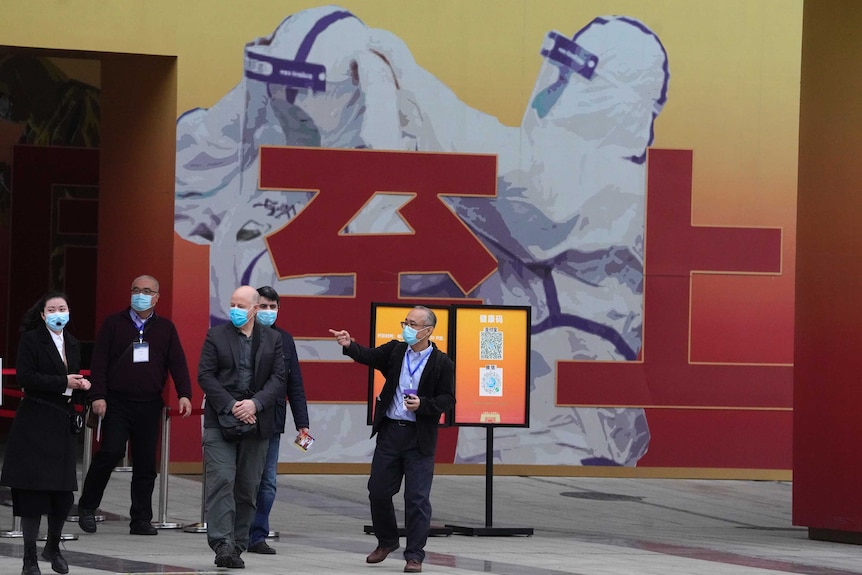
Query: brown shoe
column 413, row 566
column 380, row 553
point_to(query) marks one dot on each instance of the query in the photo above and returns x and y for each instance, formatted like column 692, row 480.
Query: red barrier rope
column 195, row 411
column 17, row 393
column 12, row 371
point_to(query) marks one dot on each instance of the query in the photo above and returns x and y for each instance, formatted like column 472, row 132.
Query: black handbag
column 232, row 429
column 76, row 421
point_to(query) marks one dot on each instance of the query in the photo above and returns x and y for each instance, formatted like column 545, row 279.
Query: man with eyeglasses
column 135, row 351
column 420, row 386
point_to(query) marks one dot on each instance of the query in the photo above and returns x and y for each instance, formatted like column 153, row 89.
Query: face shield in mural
column 606, row 85
column 271, row 114
column 301, row 83
column 563, row 58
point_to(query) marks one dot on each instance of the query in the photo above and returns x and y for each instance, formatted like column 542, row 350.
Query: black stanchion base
column 436, row 531
column 491, row 531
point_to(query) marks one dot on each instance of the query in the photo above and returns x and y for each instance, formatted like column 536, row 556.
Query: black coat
column 436, row 386
column 218, row 370
column 41, row 454
column 295, row 387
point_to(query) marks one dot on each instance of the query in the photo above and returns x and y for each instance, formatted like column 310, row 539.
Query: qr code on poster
column 490, row 344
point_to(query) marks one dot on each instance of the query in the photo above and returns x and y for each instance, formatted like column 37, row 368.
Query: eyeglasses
column 145, row 291
column 413, row 325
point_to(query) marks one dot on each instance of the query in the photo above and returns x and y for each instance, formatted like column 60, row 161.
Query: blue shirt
column 411, row 372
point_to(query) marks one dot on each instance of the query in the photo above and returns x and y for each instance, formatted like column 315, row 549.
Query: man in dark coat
column 420, row 386
column 135, row 350
column 266, row 315
column 241, row 371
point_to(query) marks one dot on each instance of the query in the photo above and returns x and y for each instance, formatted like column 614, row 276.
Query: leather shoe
column 413, row 566
column 31, row 568
column 262, row 548
column 224, row 555
column 142, row 528
column 380, row 553
column 58, row 562
column 87, row 520
column 236, row 562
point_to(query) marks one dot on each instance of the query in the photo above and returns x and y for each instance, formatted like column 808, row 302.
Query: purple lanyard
column 412, row 370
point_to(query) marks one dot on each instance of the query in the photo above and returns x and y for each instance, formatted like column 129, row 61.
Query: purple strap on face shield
column 294, row 74
column 288, row 73
column 567, row 53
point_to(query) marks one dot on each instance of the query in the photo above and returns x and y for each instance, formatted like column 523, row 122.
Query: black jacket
column 295, row 387
column 436, row 386
column 218, row 370
column 41, row 451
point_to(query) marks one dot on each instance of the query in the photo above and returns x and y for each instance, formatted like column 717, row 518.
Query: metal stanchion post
column 163, row 480
column 63, row 537
column 16, row 528
column 126, row 466
column 202, row 526
column 85, row 466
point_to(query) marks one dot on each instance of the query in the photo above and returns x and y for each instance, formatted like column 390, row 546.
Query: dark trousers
column 137, row 423
column 397, row 456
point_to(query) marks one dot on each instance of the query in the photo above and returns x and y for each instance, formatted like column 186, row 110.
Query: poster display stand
column 490, row 346
column 491, row 350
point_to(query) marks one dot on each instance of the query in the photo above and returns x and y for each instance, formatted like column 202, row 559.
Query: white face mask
column 238, row 316
column 267, row 316
column 141, row 302
column 57, row 321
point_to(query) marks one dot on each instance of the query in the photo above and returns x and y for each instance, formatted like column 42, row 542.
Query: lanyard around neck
column 412, row 370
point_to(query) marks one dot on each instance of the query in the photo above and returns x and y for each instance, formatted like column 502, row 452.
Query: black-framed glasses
column 145, row 291
column 414, row 325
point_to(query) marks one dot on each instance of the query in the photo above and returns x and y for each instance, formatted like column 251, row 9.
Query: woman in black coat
column 40, row 461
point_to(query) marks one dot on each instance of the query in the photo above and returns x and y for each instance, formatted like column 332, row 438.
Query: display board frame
column 488, row 342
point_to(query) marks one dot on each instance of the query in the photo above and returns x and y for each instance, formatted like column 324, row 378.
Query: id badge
column 140, row 352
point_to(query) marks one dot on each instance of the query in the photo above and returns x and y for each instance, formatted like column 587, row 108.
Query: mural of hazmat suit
column 568, row 231
column 325, row 79
column 313, row 82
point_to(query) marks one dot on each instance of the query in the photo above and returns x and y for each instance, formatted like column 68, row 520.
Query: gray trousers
column 233, row 473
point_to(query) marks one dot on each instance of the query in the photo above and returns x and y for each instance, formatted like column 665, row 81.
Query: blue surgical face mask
column 267, row 316
column 238, row 316
column 57, row 321
column 141, row 302
column 409, row 335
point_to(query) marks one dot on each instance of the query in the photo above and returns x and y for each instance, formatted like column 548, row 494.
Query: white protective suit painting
column 566, row 227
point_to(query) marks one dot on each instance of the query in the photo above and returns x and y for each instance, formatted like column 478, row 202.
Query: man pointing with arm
column 420, row 386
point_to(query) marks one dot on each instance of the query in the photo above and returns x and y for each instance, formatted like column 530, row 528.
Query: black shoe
column 31, row 562
column 142, row 528
column 236, row 562
column 87, row 519
column 58, row 562
column 262, row 548
column 224, row 553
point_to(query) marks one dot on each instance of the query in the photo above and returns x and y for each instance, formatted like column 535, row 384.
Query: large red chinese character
column 665, row 377
column 314, row 242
